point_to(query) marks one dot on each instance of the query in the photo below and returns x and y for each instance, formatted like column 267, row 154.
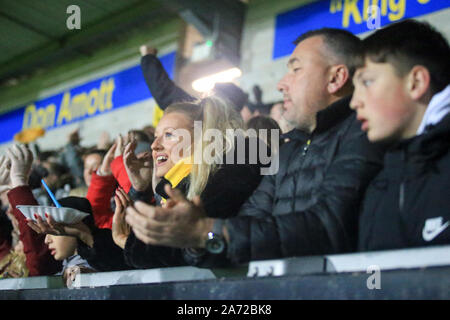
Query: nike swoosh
column 430, row 235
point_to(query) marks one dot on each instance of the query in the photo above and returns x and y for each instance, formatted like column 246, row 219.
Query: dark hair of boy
column 408, row 43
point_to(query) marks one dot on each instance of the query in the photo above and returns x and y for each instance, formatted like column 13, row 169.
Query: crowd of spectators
column 361, row 146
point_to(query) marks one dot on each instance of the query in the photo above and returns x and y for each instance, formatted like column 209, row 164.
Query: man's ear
column 419, row 80
column 338, row 77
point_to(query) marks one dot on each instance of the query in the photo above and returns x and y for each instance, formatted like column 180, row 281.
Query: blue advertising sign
column 88, row 100
column 356, row 16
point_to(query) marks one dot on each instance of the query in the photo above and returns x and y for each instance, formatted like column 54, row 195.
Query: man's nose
column 282, row 84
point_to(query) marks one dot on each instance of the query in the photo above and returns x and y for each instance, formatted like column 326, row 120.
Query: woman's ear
column 419, row 81
column 338, row 78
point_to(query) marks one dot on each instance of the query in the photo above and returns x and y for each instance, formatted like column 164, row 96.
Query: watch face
column 215, row 245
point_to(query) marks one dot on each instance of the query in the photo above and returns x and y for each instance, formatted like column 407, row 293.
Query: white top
column 438, row 108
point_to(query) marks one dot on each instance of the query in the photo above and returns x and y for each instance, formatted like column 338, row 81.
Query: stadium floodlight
column 207, row 83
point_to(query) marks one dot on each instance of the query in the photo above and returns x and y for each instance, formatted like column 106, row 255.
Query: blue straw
column 50, row 193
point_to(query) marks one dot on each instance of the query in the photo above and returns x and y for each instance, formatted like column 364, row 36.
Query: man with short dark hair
column 310, row 206
column 402, row 97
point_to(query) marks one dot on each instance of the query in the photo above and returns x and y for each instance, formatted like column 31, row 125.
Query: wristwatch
column 216, row 243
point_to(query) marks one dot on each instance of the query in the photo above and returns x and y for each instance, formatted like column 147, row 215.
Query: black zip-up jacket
column 311, row 205
column 163, row 89
column 408, row 203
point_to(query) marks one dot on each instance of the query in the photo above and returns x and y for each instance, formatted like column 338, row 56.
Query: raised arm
column 163, row 89
column 39, row 261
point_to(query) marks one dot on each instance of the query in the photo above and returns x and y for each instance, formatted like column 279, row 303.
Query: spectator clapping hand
column 21, row 160
column 180, row 224
column 139, row 170
column 103, row 141
column 115, row 151
column 5, row 165
column 49, row 226
column 105, row 167
column 118, row 151
column 120, row 229
column 70, row 274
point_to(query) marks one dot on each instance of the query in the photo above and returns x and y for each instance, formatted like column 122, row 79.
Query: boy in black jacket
column 402, row 98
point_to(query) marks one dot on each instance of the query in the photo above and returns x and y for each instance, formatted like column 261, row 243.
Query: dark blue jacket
column 408, row 203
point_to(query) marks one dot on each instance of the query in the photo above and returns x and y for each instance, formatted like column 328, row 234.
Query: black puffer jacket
column 311, row 205
column 408, row 203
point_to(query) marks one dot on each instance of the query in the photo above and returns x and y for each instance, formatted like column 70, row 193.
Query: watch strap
column 218, row 227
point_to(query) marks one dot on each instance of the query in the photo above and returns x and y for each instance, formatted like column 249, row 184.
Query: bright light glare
column 207, row 83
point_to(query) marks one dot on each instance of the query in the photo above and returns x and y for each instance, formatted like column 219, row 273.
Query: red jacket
column 120, row 173
column 102, row 189
column 99, row 195
column 39, row 261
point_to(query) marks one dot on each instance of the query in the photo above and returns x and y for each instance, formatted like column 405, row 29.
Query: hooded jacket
column 408, row 203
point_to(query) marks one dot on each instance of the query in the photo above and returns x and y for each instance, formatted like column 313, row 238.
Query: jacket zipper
column 306, row 147
column 305, row 150
column 401, row 198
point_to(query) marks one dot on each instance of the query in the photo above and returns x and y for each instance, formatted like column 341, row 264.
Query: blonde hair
column 13, row 265
column 215, row 113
